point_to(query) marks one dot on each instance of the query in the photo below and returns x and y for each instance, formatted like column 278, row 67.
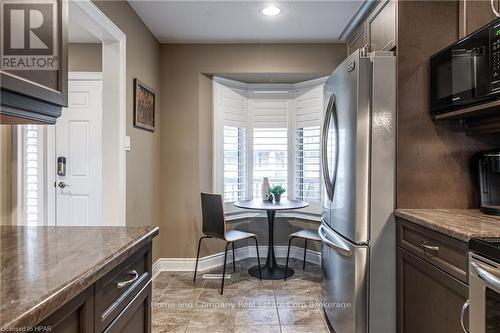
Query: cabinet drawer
column 444, row 252
column 136, row 317
column 117, row 288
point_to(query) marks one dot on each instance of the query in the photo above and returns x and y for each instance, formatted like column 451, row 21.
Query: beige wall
column 186, row 150
column 85, row 57
column 143, row 161
column 5, row 175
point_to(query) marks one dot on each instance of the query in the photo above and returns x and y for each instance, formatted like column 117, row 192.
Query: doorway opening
column 73, row 173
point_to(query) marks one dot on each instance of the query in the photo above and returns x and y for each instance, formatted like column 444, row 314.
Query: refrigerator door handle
column 336, row 247
column 331, row 112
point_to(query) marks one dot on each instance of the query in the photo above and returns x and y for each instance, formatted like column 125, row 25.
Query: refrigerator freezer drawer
column 344, row 283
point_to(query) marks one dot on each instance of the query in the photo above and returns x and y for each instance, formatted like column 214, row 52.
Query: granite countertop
column 462, row 224
column 43, row 267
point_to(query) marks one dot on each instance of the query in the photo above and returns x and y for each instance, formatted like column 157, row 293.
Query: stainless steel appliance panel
column 484, row 295
column 345, row 282
column 349, row 164
column 382, row 195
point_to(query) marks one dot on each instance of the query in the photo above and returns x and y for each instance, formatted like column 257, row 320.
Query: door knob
column 62, row 185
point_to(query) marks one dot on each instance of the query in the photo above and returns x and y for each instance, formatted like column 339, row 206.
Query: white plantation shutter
column 270, row 158
column 269, row 112
column 234, row 163
column 33, row 175
column 231, row 123
column 308, row 116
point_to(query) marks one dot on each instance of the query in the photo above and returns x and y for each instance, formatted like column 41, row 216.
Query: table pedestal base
column 271, row 273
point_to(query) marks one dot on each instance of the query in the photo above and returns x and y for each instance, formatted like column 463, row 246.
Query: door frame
column 88, row 15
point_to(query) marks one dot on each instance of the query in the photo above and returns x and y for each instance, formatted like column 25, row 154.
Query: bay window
column 267, row 131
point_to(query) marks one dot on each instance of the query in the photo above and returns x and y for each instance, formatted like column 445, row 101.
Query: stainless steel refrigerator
column 358, row 165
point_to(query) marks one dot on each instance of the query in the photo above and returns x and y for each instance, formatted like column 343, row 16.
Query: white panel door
column 79, row 140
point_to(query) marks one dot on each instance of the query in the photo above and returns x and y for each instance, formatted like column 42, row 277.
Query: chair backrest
column 213, row 223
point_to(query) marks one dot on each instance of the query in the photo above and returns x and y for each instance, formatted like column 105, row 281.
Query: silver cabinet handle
column 338, row 248
column 462, row 315
column 124, row 284
column 433, row 249
column 489, row 279
column 62, row 185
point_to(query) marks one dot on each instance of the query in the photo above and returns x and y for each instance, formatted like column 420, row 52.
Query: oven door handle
column 462, row 315
column 489, row 279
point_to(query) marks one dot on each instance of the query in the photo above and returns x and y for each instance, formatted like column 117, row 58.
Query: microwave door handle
column 485, row 176
column 336, row 247
column 474, row 72
column 489, row 279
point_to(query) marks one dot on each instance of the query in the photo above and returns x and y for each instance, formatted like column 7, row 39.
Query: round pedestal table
column 271, row 270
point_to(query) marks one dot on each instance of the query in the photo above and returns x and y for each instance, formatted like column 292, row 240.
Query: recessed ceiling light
column 271, row 10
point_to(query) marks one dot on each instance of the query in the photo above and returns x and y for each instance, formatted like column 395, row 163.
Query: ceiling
column 242, row 21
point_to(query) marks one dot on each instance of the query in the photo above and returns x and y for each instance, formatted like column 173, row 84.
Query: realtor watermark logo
column 28, row 35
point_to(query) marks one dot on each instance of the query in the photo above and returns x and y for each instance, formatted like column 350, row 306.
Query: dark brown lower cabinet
column 118, row 302
column 76, row 316
column 429, row 300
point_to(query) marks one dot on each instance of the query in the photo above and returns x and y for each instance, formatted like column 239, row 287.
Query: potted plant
column 277, row 191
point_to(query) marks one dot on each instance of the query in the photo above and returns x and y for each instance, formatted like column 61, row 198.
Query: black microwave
column 467, row 72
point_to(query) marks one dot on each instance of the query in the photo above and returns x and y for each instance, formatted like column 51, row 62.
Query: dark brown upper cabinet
column 474, row 14
column 382, row 27
column 358, row 39
column 378, row 31
column 34, row 62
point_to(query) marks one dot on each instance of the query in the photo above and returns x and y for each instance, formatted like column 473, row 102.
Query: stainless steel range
column 484, row 286
column 357, row 229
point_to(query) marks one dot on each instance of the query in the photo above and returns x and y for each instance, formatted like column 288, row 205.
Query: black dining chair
column 214, row 226
column 306, row 235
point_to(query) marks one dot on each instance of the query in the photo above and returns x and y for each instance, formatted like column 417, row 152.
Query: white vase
column 265, row 188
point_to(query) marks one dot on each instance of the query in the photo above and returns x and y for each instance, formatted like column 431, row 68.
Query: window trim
column 314, row 209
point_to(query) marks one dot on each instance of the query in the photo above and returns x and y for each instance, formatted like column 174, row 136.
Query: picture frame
column 144, row 106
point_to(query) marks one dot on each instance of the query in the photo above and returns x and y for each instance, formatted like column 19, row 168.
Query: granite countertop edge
column 461, row 224
column 75, row 286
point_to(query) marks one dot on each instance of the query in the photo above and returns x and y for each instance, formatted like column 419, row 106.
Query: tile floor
column 248, row 305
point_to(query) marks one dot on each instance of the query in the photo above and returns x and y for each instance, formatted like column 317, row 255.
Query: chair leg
column 305, row 251
column 234, row 261
column 197, row 257
column 224, row 270
column 287, row 256
column 258, row 257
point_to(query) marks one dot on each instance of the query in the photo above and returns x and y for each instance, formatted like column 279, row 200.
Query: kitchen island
column 86, row 278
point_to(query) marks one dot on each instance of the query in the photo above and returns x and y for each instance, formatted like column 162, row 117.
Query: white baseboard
column 216, row 260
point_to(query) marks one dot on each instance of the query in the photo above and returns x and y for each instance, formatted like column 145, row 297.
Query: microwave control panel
column 495, row 58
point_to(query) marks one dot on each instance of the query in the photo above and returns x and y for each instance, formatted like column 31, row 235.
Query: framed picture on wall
column 144, row 106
